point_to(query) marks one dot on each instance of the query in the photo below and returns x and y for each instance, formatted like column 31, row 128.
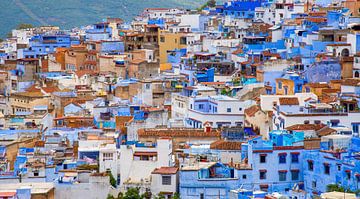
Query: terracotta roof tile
column 252, row 110
column 325, row 131
column 317, row 85
column 289, row 101
column 351, row 82
column 165, row 170
column 305, row 127
column 225, row 145
column 177, row 132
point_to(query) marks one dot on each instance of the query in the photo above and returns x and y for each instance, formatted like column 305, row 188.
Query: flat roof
column 36, row 187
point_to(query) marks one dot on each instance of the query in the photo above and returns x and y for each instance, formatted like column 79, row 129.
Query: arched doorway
column 345, row 52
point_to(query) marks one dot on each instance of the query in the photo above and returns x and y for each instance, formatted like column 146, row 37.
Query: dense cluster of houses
column 248, row 99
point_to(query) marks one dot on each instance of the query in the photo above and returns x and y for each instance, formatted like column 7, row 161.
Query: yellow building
column 284, row 86
column 169, row 41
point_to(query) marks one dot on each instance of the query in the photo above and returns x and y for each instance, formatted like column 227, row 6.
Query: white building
column 108, row 159
column 217, row 110
column 137, row 162
column 164, row 181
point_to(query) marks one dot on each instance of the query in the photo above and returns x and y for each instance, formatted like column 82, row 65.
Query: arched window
column 356, row 74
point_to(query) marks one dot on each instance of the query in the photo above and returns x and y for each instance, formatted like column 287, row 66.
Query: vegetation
column 24, row 26
column 88, row 167
column 209, row 3
column 9, row 35
column 70, row 13
column 226, row 92
column 134, row 193
column 112, row 179
column 339, row 188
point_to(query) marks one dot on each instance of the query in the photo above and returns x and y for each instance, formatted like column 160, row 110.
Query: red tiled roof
column 238, row 51
column 289, row 101
column 165, row 170
column 7, row 194
column 225, row 145
column 252, row 110
column 317, row 85
column 305, row 127
column 81, row 73
column 325, row 131
column 177, row 132
column 145, row 153
column 351, row 82
column 213, row 83
column 343, row 44
column 50, row 89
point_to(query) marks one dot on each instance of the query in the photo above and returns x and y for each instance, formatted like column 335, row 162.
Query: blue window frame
column 294, row 158
column 282, row 158
column 282, row 176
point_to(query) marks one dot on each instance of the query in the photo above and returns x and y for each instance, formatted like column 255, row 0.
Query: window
column 339, row 167
column 326, row 168
column 348, row 174
column 294, row 158
column 311, row 165
column 201, row 196
column 295, row 175
column 355, row 127
column 282, row 158
column 244, row 177
column 228, row 110
column 183, row 40
column 166, row 180
column 262, row 158
column 313, row 184
column 162, row 39
column 282, row 175
column 108, row 156
column 280, row 85
column 262, row 174
column 201, row 106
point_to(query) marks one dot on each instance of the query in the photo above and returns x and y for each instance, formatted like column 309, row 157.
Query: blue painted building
column 240, row 9
column 112, row 47
column 41, row 45
column 99, row 31
column 323, row 166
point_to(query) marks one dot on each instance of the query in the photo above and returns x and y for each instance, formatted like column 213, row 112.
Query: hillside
column 72, row 13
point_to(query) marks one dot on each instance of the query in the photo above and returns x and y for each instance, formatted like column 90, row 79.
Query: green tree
column 176, row 196
column 9, row 35
column 211, row 3
column 1, row 40
column 112, row 179
column 159, row 196
column 109, row 196
column 133, row 193
column 24, row 26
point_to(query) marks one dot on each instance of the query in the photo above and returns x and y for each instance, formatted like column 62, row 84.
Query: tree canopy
column 24, row 26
